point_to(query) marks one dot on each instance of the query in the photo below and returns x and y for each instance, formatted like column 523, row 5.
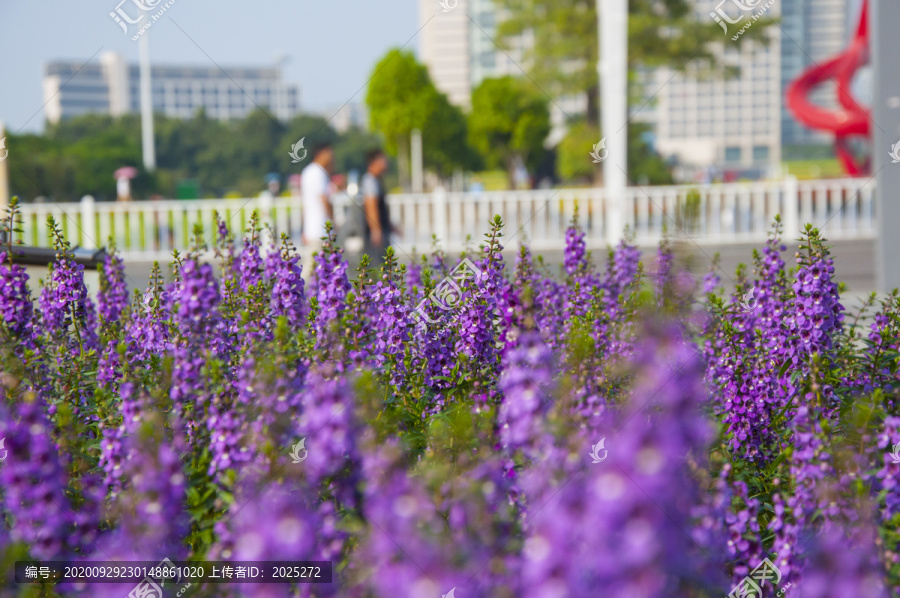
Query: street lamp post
column 885, row 53
column 147, row 141
column 612, row 16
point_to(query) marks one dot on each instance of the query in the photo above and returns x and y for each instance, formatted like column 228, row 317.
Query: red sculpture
column 849, row 120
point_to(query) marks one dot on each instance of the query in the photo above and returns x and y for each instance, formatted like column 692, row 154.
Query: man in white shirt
column 315, row 189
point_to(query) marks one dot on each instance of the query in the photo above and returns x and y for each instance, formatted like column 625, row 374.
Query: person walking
column 377, row 227
column 315, row 190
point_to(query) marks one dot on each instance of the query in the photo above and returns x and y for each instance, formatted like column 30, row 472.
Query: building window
column 733, row 154
column 760, row 153
column 487, row 60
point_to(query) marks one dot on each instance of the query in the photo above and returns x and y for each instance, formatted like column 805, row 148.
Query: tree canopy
column 508, row 123
column 401, row 98
column 78, row 156
column 562, row 59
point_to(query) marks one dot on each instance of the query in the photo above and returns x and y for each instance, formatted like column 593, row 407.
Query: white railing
column 717, row 214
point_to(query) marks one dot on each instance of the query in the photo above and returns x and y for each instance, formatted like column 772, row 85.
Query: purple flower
column 575, row 254
column 152, row 515
column 268, row 525
column 34, row 480
column 631, row 507
column 288, row 297
column 888, row 474
column 332, row 290
column 63, row 297
column 392, row 329
column 525, row 383
column 15, row 299
column 327, row 422
column 196, row 298
column 251, row 262
column 226, row 440
column 113, row 296
column 839, row 566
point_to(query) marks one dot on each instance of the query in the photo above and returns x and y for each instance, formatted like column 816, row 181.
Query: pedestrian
column 377, row 228
column 315, row 189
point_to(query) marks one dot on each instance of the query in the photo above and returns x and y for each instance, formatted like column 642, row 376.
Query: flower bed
column 471, row 429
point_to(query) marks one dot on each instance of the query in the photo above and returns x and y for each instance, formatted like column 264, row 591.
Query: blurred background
column 235, row 84
column 168, row 100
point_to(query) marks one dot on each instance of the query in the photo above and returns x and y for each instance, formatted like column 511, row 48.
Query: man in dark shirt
column 378, row 221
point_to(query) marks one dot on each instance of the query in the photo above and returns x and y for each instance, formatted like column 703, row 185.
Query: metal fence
column 717, row 214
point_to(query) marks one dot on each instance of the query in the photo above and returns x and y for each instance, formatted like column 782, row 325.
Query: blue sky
column 331, row 45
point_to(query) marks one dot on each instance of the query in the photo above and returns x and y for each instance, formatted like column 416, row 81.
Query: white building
column 342, row 117
column 459, row 49
column 113, row 87
column 736, row 123
column 813, row 31
column 732, row 123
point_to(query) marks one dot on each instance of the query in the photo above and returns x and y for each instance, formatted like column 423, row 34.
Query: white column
column 791, row 215
column 416, row 158
column 613, row 68
column 149, row 147
column 885, row 52
column 88, row 231
column 4, row 172
column 266, row 202
column 439, row 215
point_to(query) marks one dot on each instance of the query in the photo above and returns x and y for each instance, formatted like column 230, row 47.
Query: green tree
column 562, row 61
column 78, row 156
column 444, row 138
column 508, row 123
column 575, row 165
column 313, row 129
column 563, row 56
column 401, row 98
column 350, row 153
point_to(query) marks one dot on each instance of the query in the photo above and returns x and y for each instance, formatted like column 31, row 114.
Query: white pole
column 416, row 153
column 4, row 172
column 88, row 229
column 149, row 148
column 883, row 16
column 791, row 216
column 613, row 68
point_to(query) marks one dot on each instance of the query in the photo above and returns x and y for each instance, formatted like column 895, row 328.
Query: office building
column 730, row 122
column 113, row 87
column 459, row 49
column 812, row 31
column 343, row 117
